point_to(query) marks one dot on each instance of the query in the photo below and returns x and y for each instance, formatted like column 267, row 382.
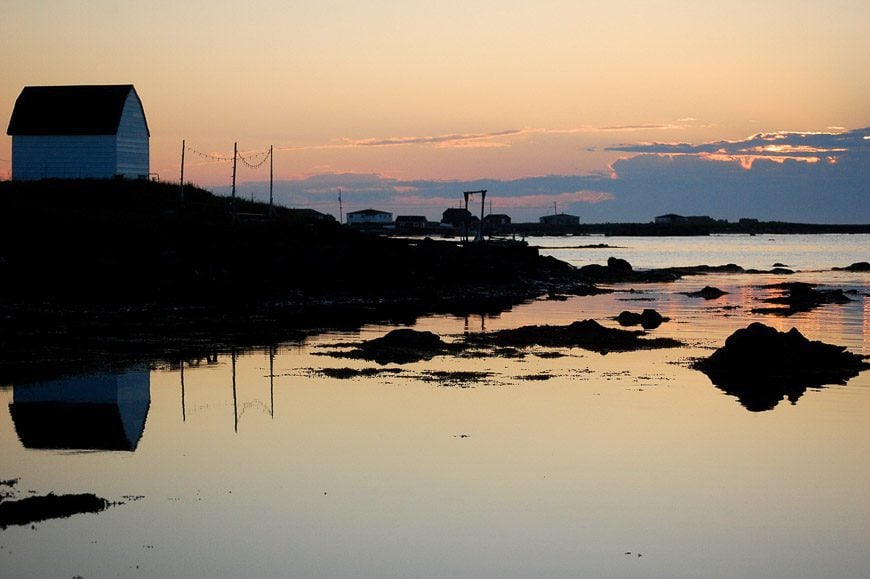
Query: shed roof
column 70, row 110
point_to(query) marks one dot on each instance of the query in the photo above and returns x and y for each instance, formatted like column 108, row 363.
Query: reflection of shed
column 94, row 412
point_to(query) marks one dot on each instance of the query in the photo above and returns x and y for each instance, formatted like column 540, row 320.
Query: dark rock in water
column 648, row 319
column 778, row 264
column 40, row 508
column 708, row 293
column 402, row 346
column 858, row 266
column 760, row 365
column 801, row 297
column 587, row 334
column 618, row 265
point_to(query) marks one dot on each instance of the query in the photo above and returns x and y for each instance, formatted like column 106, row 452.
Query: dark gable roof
column 69, row 110
column 368, row 212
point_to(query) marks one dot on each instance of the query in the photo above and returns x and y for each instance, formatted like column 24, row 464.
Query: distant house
column 92, row 131
column 310, row 215
column 457, row 217
column 411, row 223
column 497, row 219
column 369, row 217
column 670, row 219
column 560, row 219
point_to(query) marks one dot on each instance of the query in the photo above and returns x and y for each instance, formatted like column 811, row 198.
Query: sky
column 612, row 111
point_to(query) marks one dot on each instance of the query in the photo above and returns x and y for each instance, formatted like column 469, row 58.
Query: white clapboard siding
column 132, row 140
column 82, row 131
column 66, row 157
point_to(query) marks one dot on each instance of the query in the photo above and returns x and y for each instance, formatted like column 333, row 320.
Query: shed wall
column 132, row 140
column 66, row 157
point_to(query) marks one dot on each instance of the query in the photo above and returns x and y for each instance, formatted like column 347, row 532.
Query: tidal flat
column 515, row 460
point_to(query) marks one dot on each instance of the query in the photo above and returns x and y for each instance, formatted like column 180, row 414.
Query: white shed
column 85, row 131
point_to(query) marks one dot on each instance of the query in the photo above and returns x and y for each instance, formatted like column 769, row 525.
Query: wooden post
column 181, row 189
column 271, row 166
column 235, row 396
column 235, row 158
column 482, row 205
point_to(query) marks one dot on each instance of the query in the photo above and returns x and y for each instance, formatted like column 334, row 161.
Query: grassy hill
column 122, row 241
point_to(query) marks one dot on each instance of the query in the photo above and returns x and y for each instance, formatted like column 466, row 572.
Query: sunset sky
column 615, row 110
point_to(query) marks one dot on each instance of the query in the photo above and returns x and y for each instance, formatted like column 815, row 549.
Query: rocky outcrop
column 800, row 297
column 760, row 365
column 857, row 266
column 586, row 334
column 708, row 293
column 649, row 319
column 401, row 346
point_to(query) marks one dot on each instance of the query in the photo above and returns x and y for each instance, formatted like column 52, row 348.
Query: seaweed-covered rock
column 649, row 319
column 857, row 266
column 40, row 508
column 760, row 365
column 402, row 346
column 708, row 293
column 801, row 297
column 586, row 334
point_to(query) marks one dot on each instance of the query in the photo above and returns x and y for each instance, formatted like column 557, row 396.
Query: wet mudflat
column 510, row 459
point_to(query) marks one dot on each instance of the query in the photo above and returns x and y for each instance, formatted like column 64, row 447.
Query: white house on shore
column 82, row 131
column 369, row 217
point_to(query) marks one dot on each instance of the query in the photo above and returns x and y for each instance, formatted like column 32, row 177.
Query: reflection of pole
column 272, row 381
column 183, row 408
column 235, row 399
column 181, row 190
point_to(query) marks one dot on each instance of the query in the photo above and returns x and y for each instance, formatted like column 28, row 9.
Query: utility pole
column 555, row 212
column 235, row 158
column 271, row 173
column 181, row 189
column 340, row 209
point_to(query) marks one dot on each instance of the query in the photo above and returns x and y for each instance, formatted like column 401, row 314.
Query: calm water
column 623, row 465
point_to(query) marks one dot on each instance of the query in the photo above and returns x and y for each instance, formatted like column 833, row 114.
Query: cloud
column 458, row 139
column 778, row 183
column 809, row 147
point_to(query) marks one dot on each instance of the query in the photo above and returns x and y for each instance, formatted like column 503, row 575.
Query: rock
column 858, row 266
column 40, row 508
column 708, row 293
column 801, row 297
column 586, row 334
column 760, row 365
column 618, row 265
column 402, row 346
column 649, row 319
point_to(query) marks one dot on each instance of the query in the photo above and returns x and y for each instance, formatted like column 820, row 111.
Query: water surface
column 625, row 464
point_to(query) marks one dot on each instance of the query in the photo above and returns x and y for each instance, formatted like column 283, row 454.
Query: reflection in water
column 239, row 408
column 93, row 412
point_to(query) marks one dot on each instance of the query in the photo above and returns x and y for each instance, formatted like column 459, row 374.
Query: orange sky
column 524, row 89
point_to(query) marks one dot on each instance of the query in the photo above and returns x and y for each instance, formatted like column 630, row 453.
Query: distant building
column 310, row 215
column 670, row 219
column 93, row 131
column 369, row 217
column 457, row 217
column 497, row 219
column 560, row 219
column 411, row 223
column 700, row 219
